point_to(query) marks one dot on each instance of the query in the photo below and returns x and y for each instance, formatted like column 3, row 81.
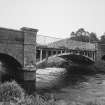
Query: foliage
column 30, row 100
column 102, row 39
column 23, row 99
column 10, row 91
column 93, row 37
column 84, row 36
column 53, row 61
column 12, row 94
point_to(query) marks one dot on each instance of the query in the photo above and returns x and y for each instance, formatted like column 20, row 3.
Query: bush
column 53, row 62
column 10, row 91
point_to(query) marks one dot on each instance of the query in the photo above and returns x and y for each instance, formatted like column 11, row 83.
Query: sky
column 55, row 18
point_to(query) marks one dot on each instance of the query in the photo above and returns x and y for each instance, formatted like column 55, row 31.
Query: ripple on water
column 48, row 77
column 87, row 87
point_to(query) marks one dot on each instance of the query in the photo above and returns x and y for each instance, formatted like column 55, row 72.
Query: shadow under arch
column 10, row 68
column 79, row 59
column 103, row 57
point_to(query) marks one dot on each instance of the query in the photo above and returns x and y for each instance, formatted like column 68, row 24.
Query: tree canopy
column 102, row 39
column 84, row 36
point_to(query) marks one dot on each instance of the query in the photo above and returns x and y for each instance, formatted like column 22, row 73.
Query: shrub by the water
column 10, row 91
column 12, row 94
column 53, row 62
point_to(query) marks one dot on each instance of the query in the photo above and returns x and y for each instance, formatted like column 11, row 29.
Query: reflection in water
column 49, row 77
column 74, row 84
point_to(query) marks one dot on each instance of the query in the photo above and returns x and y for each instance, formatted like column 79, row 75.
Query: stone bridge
column 19, row 50
column 18, row 53
column 18, row 46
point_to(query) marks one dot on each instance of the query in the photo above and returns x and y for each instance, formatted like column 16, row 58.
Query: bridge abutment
column 29, row 46
column 29, row 61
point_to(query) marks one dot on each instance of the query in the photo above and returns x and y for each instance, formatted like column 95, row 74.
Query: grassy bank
column 54, row 62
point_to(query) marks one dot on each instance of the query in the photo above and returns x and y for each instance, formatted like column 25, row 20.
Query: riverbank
column 19, row 97
column 53, row 62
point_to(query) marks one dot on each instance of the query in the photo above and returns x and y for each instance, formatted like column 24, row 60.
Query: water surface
column 74, row 84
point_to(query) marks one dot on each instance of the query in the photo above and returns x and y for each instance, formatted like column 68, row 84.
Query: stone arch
column 10, row 68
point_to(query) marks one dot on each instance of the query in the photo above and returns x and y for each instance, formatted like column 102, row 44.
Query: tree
column 80, row 32
column 73, row 34
column 84, row 36
column 102, row 39
column 80, row 35
column 93, row 37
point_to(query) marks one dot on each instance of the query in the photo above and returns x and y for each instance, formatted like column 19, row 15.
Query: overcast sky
column 57, row 18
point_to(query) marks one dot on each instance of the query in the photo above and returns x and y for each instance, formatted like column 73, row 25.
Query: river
column 73, row 85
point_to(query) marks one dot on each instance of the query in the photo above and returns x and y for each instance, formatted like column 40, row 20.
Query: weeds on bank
column 12, row 94
column 10, row 91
